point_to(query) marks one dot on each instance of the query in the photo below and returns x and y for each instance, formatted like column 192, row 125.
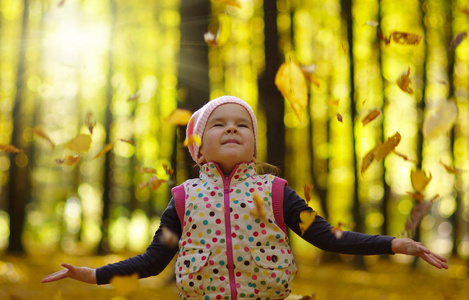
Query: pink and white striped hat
column 198, row 120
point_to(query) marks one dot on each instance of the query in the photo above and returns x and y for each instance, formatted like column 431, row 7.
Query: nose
column 231, row 129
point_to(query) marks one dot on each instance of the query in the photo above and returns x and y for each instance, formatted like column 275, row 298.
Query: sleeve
column 157, row 256
column 320, row 235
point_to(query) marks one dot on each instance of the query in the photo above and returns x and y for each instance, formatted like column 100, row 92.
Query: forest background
column 93, row 96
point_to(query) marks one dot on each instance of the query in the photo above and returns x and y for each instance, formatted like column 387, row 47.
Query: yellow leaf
column 154, row 183
column 306, row 219
column 371, row 116
column 334, row 102
column 223, row 33
column 179, row 117
column 291, row 83
column 404, row 81
column 259, row 210
column 388, row 146
column 79, row 144
column 69, row 160
column 440, row 119
column 193, row 139
column 368, row 159
column 125, row 284
column 106, row 149
column 307, row 190
column 10, row 148
column 145, row 170
column 419, row 180
column 40, row 133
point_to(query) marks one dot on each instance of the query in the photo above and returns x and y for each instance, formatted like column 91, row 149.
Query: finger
column 431, row 261
column 55, row 276
column 68, row 266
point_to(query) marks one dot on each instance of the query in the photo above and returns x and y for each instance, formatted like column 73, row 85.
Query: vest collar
column 211, row 172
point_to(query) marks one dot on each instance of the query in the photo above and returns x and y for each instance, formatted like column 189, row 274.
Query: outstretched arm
column 411, row 247
column 84, row 274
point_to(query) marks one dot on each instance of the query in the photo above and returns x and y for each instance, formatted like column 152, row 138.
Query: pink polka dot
column 254, row 277
column 236, row 216
column 208, row 246
column 204, row 257
column 260, row 189
column 236, row 227
column 238, row 285
column 273, row 275
column 211, row 262
column 222, row 289
column 218, row 221
column 188, row 233
column 233, row 234
column 205, row 199
column 259, row 183
column 246, row 249
column 252, row 190
column 208, row 205
column 264, row 231
column 191, row 276
column 255, row 233
column 262, row 225
column 218, row 232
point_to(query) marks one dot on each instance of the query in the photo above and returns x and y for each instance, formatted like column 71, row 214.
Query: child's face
column 228, row 138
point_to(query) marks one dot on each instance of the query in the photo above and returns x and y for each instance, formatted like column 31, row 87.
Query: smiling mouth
column 231, row 142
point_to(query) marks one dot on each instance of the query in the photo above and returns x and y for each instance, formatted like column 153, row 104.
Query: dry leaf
column 372, row 23
column 440, row 119
column 168, row 237
column 457, row 40
column 338, row 230
column 40, row 133
column 405, row 38
column 404, row 157
column 61, row 3
column 259, row 210
column 234, row 3
column 333, row 102
column 179, row 117
column 339, row 118
column 306, row 219
column 382, row 38
column 168, row 170
column 90, row 121
column 307, row 190
column 291, row 83
column 464, row 10
column 134, row 97
column 371, row 116
column 417, row 196
column 308, row 74
column 79, row 144
column 417, row 213
column 69, row 160
column 368, row 159
column 106, row 149
column 154, row 183
column 193, row 139
column 10, row 148
column 128, row 142
column 419, row 179
column 452, row 170
column 388, row 146
column 404, row 81
column 223, row 33
column 124, row 285
column 146, row 170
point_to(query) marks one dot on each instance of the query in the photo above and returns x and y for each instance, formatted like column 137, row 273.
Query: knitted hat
column 198, row 120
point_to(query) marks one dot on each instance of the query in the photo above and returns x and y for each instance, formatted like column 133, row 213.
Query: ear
column 200, row 159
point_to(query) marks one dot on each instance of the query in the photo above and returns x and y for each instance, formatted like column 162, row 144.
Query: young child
column 231, row 222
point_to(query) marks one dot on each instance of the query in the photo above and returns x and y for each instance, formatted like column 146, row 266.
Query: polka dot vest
column 232, row 246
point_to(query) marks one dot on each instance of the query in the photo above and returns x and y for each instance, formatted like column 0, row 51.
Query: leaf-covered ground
column 384, row 279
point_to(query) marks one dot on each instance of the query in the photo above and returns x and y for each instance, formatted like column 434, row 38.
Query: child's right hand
column 84, row 274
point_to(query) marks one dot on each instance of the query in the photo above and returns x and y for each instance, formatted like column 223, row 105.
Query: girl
column 231, row 222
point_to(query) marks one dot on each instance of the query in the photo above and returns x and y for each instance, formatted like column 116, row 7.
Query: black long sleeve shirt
column 158, row 255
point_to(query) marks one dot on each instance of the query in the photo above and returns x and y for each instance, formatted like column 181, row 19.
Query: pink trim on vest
column 179, row 195
column 278, row 187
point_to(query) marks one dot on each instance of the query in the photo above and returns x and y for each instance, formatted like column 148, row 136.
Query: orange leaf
column 40, row 133
column 405, row 38
column 10, row 148
column 79, row 144
column 382, row 38
column 404, row 157
column 456, row 41
column 308, row 74
column 106, row 149
column 306, row 219
column 223, row 33
column 371, row 116
column 291, row 83
column 128, row 142
column 154, row 183
column 146, row 170
column 90, row 121
column 307, row 190
column 338, row 231
column 179, row 117
column 388, row 146
column 333, row 102
column 168, row 170
column 417, row 196
column 419, row 180
column 368, row 159
column 259, row 210
column 193, row 139
column 404, row 81
column 452, row 170
column 69, row 160
column 464, row 10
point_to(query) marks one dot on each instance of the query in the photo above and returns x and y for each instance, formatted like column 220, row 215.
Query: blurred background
column 116, row 70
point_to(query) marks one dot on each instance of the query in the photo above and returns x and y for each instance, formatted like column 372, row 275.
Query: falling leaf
column 308, row 71
column 306, row 219
column 334, row 102
column 61, row 3
column 90, row 121
column 134, row 97
column 457, row 40
column 405, row 38
column 259, row 210
column 168, row 237
column 464, row 10
column 234, row 3
column 388, row 146
column 193, row 139
column 154, row 183
column 419, row 179
column 124, row 285
column 372, row 23
column 168, row 170
column 404, row 157
column 339, row 118
column 179, row 117
column 106, row 149
column 419, row 210
column 452, row 170
column 417, row 196
column 404, row 81
column 10, row 148
column 440, row 120
column 128, row 142
column 368, row 159
column 382, row 38
column 291, row 83
column 69, row 160
column 337, row 231
column 40, row 133
column 146, row 170
column 371, row 116
column 223, row 33
column 79, row 144
column 307, row 190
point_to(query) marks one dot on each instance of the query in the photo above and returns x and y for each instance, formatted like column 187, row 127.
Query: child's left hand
column 411, row 247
